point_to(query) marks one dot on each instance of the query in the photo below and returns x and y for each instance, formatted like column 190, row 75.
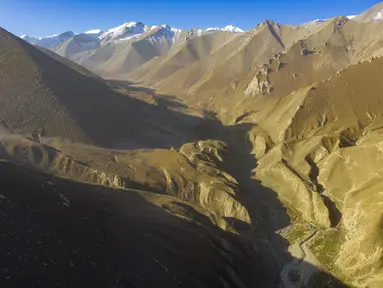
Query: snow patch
column 53, row 41
column 319, row 21
column 211, row 29
column 128, row 38
column 378, row 16
column 228, row 28
column 124, row 31
column 199, row 32
column 31, row 40
column 232, row 29
column 167, row 33
column 52, row 36
column 95, row 31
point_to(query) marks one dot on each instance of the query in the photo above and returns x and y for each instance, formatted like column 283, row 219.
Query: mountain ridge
column 127, row 26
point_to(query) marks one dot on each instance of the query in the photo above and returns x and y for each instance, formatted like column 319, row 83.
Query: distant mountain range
column 123, row 32
column 122, row 49
column 129, row 30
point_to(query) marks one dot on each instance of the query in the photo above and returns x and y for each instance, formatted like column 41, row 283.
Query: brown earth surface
column 248, row 160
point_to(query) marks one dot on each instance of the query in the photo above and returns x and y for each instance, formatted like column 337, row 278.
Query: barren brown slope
column 306, row 62
column 340, row 44
column 79, row 44
column 267, row 40
column 40, row 93
column 104, row 237
column 323, row 155
column 218, row 75
column 332, row 47
column 348, row 101
column 302, row 166
column 113, row 57
column 122, row 56
column 196, row 49
column 78, row 68
column 249, row 44
column 370, row 14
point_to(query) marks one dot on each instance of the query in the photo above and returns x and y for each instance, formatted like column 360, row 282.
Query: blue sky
column 44, row 17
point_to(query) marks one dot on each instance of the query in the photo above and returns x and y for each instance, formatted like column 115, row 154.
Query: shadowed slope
column 196, row 49
column 43, row 94
column 101, row 237
column 113, row 238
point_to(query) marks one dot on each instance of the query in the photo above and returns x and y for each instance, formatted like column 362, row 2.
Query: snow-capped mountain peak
column 94, row 32
column 212, row 29
column 228, row 28
column 322, row 20
column 165, row 32
column 167, row 27
column 232, row 29
column 122, row 27
column 378, row 16
column 32, row 40
column 50, row 41
column 124, row 31
column 51, row 36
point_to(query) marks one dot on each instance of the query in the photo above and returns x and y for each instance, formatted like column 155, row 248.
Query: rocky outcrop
column 355, row 186
column 216, row 190
column 294, row 188
column 194, row 174
column 261, row 83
